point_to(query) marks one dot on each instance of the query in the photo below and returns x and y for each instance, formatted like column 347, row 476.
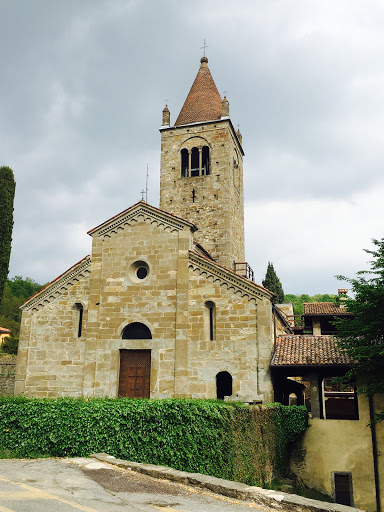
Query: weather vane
column 204, row 47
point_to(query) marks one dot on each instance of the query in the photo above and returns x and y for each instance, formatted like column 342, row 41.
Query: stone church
column 166, row 305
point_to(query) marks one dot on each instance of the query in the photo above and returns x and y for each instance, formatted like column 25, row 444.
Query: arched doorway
column 223, row 385
column 135, row 365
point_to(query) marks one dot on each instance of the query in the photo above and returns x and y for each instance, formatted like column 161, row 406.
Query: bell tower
column 201, row 170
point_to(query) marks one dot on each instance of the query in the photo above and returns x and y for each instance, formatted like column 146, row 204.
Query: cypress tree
column 273, row 284
column 7, row 194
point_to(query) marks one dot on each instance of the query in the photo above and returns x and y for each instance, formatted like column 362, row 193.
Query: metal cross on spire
column 204, row 47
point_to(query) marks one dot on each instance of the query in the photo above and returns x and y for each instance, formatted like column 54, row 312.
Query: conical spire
column 203, row 102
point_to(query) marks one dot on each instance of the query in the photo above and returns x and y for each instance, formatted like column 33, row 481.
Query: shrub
column 231, row 441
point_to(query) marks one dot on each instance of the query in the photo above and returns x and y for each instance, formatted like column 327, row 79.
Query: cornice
column 61, row 284
column 141, row 212
column 227, row 278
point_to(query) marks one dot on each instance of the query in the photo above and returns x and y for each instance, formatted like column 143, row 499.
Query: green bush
column 232, row 441
column 10, row 346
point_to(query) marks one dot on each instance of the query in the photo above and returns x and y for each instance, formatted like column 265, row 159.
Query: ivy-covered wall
column 232, row 441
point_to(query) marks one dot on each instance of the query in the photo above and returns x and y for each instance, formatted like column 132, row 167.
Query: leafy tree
column 7, row 194
column 272, row 283
column 298, row 300
column 10, row 346
column 16, row 291
column 362, row 336
column 23, row 288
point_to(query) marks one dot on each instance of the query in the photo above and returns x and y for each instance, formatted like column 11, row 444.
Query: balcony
column 244, row 270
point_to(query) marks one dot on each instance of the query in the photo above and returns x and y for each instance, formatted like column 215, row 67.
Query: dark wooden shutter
column 342, row 489
column 135, row 373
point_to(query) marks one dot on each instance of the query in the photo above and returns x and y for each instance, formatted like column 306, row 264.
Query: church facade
column 164, row 306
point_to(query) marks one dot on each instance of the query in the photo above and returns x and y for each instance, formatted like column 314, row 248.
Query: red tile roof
column 203, row 102
column 322, row 308
column 308, row 351
column 3, row 330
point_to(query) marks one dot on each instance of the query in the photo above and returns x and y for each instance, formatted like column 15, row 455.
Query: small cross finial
column 142, row 194
column 204, row 47
column 225, row 94
column 238, row 127
column 166, row 102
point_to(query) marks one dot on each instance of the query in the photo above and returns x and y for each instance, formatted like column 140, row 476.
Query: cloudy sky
column 83, row 84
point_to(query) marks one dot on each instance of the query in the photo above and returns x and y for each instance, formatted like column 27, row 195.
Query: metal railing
column 244, row 270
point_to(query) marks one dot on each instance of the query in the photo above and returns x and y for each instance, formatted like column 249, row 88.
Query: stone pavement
column 105, row 484
column 263, row 497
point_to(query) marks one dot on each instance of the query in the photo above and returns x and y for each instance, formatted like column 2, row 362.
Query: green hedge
column 232, row 441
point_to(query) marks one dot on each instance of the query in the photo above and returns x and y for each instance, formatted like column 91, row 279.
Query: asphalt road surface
column 70, row 485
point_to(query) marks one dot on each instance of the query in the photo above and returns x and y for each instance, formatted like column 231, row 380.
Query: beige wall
column 170, row 301
column 218, row 210
column 340, row 446
column 50, row 358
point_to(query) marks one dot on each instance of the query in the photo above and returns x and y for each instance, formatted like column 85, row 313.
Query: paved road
column 70, row 485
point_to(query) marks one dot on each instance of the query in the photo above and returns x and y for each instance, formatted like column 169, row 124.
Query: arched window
column 223, row 385
column 211, row 319
column 205, row 161
column 79, row 308
column 195, row 162
column 184, row 163
column 136, row 331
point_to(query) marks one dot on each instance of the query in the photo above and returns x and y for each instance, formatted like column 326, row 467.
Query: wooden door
column 135, row 373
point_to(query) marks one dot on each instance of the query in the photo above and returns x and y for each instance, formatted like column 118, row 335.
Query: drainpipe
column 274, row 327
column 374, row 452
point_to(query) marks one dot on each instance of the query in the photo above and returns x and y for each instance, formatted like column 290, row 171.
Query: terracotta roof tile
column 3, row 330
column 322, row 308
column 203, row 102
column 308, row 351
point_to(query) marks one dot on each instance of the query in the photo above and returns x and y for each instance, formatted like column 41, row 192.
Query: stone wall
column 7, row 374
column 170, row 301
column 50, row 359
column 217, row 208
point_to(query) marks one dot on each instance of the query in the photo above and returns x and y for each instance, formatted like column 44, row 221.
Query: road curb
column 265, row 497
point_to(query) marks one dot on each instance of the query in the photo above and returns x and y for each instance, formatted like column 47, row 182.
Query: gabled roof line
column 34, row 298
column 147, row 207
column 244, row 283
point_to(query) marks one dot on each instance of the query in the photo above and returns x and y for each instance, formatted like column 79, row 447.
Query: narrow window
column 184, row 163
column 343, row 488
column 211, row 319
column 223, row 385
column 205, row 161
column 79, row 308
column 195, row 164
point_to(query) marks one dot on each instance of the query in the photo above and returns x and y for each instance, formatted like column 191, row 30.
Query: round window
column 138, row 271
column 142, row 272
